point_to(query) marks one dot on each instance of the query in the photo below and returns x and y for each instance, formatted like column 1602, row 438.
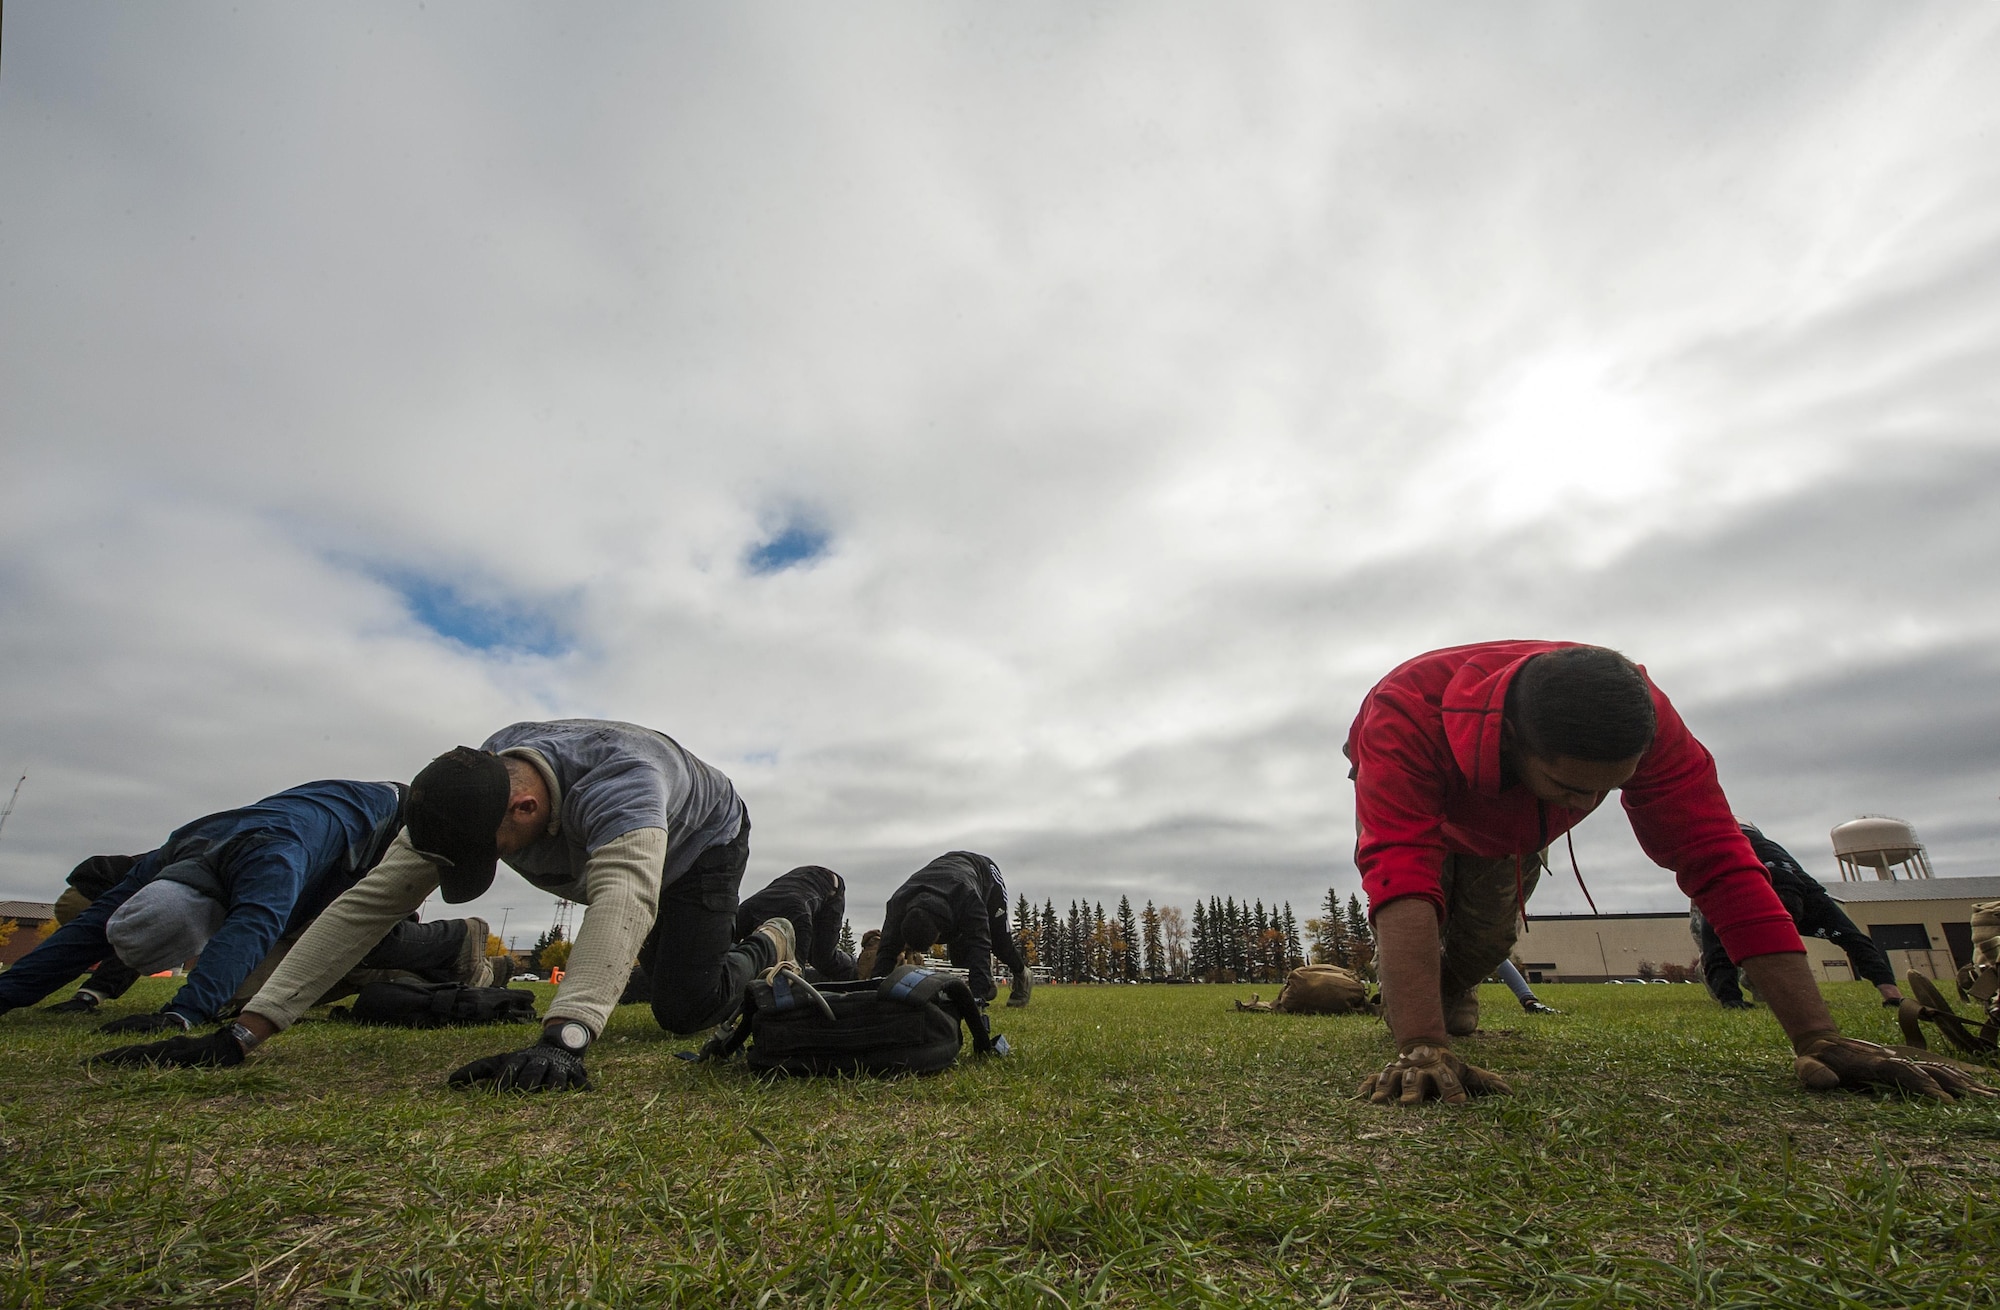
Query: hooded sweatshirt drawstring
column 1571, row 841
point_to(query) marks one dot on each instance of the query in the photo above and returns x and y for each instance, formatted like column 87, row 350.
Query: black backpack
column 905, row 1023
column 437, row 1005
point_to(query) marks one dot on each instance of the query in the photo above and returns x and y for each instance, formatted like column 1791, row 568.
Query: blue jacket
column 275, row 865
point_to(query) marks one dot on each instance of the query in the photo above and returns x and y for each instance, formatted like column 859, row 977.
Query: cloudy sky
column 1028, row 428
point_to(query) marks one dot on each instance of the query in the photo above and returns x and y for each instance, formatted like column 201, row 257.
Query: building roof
column 1635, row 914
column 1917, row 889
column 27, row 910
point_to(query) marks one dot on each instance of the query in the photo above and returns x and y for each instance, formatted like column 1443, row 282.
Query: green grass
column 1144, row 1146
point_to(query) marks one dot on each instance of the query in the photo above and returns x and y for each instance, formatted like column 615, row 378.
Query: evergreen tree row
column 1226, row 941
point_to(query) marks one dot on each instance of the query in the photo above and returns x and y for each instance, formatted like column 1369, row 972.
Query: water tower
column 1887, row 846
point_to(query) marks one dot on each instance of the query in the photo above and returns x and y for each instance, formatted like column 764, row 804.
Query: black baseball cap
column 456, row 805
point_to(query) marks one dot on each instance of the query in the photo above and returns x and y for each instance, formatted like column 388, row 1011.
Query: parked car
column 527, row 977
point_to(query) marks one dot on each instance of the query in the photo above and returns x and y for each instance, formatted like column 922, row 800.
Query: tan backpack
column 1980, row 980
column 1318, row 989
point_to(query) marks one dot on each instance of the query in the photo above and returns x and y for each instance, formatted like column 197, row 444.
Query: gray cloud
column 1158, row 378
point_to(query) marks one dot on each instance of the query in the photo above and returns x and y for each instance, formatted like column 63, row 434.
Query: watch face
column 573, row 1036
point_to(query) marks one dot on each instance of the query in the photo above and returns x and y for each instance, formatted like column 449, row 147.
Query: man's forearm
column 623, row 878
column 1784, row 982
column 1406, row 942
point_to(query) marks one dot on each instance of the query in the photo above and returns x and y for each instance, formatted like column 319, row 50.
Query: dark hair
column 920, row 928
column 1583, row 703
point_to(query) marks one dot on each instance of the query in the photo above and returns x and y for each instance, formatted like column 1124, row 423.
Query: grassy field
column 1144, row 1146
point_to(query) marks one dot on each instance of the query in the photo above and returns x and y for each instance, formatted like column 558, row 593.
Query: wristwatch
column 571, row 1036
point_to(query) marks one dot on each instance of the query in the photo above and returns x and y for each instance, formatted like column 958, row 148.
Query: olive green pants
column 1483, row 901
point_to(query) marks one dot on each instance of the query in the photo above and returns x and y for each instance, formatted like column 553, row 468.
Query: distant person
column 1814, row 914
column 229, row 888
column 1467, row 762
column 958, row 899
column 619, row 818
column 112, row 977
column 814, row 900
column 1523, row 993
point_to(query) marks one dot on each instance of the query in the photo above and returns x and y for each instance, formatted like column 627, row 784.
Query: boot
column 783, row 940
column 471, row 967
column 1461, row 1014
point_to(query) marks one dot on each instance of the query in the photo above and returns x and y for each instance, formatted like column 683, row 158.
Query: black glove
column 81, row 1003
column 218, row 1050
column 1024, row 983
column 165, row 1021
column 547, row 1066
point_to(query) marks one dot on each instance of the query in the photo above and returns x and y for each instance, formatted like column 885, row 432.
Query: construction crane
column 10, row 802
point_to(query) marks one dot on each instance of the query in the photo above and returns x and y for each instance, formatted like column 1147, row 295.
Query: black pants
column 695, row 965
column 817, row 925
column 429, row 950
column 1825, row 921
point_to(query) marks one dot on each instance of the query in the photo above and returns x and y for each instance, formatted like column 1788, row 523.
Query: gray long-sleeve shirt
column 607, row 779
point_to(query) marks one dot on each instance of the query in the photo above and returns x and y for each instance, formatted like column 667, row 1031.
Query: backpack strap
column 914, row 986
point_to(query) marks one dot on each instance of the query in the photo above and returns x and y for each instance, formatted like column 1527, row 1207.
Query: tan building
column 1923, row 924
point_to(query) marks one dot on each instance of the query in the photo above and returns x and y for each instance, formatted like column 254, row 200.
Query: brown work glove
column 1827, row 1061
column 1431, row 1073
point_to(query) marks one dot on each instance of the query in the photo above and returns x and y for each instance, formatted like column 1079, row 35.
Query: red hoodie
column 1426, row 753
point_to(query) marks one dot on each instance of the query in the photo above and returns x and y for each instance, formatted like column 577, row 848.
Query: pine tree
column 1149, row 927
column 1260, row 945
column 1024, row 931
column 1052, row 940
column 1128, row 941
column 1295, row 954
column 1361, row 940
column 550, row 949
column 846, row 943
column 1198, row 965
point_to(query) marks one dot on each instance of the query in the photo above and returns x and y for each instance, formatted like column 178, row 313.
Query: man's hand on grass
column 218, row 1050
column 547, row 1066
column 1827, row 1061
column 1431, row 1073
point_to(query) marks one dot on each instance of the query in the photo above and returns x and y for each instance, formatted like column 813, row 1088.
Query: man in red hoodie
column 1467, row 763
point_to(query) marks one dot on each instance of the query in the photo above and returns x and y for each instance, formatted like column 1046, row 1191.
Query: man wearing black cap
column 959, row 899
column 616, row 817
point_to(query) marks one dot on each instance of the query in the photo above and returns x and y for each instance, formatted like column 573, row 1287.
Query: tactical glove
column 166, row 1021
column 1024, row 982
column 218, row 1050
column 1426, row 1073
column 1533, row 1006
column 81, row 1003
column 547, row 1066
column 1827, row 1061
